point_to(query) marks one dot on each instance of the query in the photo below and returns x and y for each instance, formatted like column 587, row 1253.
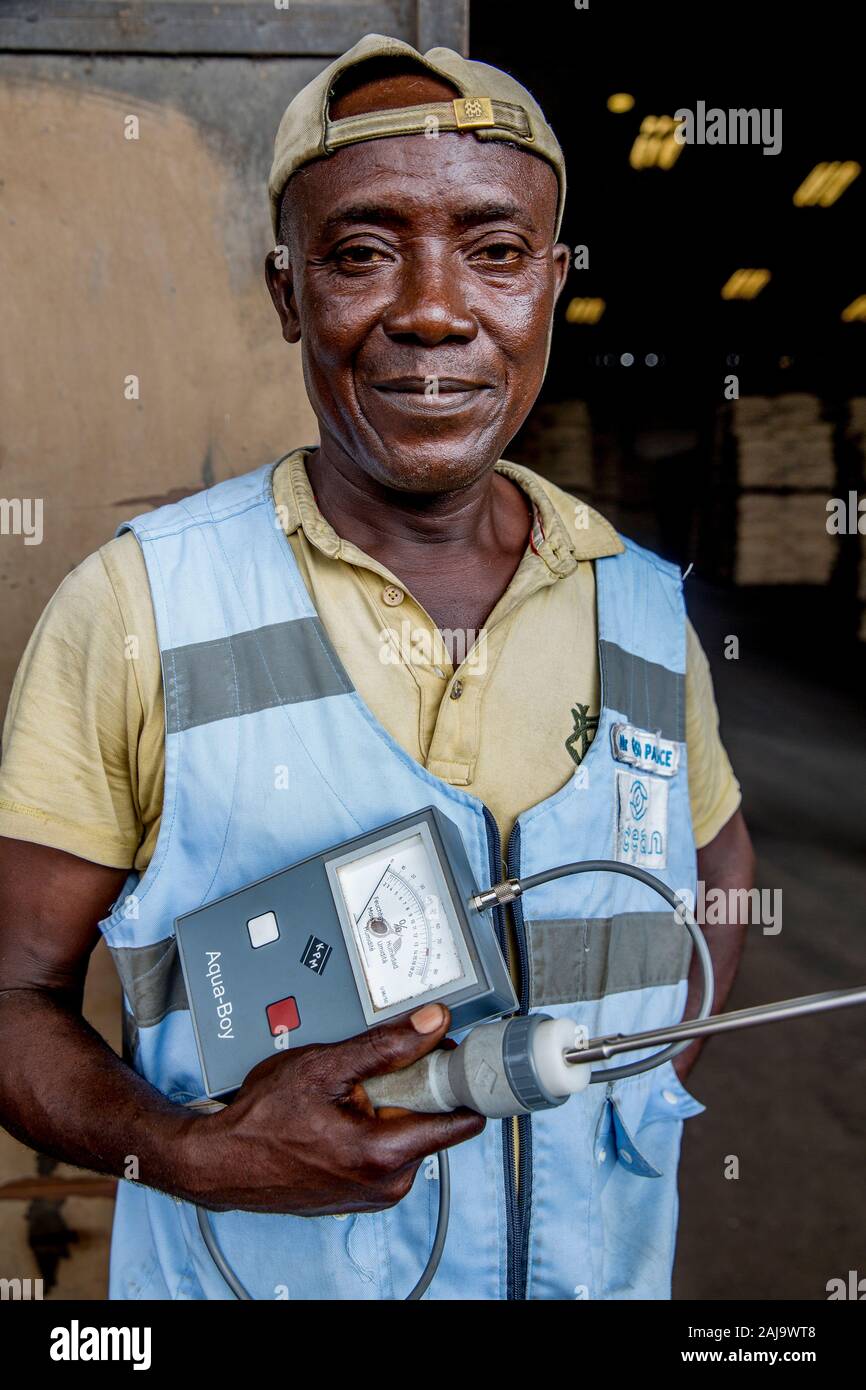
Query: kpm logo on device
column 316, row 955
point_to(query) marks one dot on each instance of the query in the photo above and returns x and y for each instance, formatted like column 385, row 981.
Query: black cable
column 510, row 889
column 442, row 1219
column 217, row 1256
column 239, row 1290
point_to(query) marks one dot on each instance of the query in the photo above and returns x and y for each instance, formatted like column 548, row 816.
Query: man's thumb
column 391, row 1046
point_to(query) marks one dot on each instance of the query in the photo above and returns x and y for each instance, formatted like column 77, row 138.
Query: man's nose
column 430, row 305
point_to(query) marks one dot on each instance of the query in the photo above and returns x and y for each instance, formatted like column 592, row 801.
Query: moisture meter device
column 325, row 949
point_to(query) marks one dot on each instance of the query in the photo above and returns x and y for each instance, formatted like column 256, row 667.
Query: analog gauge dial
column 403, row 936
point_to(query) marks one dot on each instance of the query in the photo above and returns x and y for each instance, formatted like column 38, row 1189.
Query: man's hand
column 301, row 1135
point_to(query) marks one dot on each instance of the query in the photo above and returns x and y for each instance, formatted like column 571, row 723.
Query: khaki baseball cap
column 491, row 104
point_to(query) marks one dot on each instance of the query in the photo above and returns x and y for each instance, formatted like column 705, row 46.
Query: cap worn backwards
column 492, row 105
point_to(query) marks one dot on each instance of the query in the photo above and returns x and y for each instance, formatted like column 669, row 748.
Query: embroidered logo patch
column 641, row 820
column 646, row 751
column 585, row 725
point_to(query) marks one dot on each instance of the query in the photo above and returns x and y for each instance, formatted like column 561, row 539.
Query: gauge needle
column 373, row 894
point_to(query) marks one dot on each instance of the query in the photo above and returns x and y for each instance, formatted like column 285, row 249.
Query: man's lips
column 431, row 396
column 431, row 385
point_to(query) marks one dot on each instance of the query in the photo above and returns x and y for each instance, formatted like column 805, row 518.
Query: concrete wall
column 133, row 257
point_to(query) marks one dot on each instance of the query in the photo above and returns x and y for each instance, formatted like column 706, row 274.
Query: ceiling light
column 745, row 284
column 826, row 183
column 584, row 311
column 856, row 311
column 655, row 146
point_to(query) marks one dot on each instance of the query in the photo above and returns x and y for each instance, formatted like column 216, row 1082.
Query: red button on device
column 283, row 1016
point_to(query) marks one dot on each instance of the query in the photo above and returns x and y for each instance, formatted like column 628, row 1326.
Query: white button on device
column 263, row 929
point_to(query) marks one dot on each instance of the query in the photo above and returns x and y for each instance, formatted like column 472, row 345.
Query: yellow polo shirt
column 83, row 756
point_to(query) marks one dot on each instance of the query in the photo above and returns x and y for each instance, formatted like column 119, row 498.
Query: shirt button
column 456, row 690
column 601, row 1155
column 392, row 595
column 669, row 1097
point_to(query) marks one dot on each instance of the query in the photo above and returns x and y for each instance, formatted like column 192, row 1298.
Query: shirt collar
column 559, row 544
column 569, row 533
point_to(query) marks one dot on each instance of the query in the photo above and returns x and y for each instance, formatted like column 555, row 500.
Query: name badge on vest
column 646, row 751
column 641, row 820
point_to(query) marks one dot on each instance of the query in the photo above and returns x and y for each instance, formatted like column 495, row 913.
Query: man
column 287, row 691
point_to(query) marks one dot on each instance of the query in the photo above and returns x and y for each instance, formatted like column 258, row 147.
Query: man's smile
column 414, row 395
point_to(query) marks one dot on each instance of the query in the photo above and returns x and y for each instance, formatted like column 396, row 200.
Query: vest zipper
column 512, row 1211
column 519, row 1262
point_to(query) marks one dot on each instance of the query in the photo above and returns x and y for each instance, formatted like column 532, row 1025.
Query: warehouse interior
column 711, row 412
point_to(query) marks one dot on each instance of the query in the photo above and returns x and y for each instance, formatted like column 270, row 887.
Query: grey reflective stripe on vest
column 650, row 695
column 129, row 1037
column 280, row 664
column 571, row 960
column 582, row 958
column 152, row 980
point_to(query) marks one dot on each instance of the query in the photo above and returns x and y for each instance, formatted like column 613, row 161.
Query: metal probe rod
column 598, row 1049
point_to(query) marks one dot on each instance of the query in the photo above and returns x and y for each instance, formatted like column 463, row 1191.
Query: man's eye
column 360, row 255
column 499, row 253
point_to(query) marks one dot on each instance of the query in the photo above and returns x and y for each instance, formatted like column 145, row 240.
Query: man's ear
column 561, row 266
column 281, row 286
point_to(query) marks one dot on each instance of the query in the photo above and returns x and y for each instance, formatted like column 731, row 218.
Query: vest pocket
column 634, row 1126
column 627, row 1151
column 616, row 1147
column 636, row 1155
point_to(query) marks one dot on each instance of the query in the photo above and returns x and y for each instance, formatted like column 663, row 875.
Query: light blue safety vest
column 270, row 756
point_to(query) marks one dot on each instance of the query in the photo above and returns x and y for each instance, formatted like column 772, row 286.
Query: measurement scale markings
column 420, row 906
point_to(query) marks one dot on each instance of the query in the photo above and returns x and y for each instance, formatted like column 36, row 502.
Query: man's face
column 422, row 284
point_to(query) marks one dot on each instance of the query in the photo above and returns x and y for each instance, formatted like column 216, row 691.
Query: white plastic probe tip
column 552, row 1039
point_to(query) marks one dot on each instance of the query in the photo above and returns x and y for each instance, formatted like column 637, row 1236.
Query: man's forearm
column 64, row 1092
column 726, row 863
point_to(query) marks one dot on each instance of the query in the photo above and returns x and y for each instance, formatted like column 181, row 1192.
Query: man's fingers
column 410, row 1138
column 391, row 1046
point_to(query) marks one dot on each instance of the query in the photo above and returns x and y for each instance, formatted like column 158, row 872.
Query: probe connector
column 499, row 895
